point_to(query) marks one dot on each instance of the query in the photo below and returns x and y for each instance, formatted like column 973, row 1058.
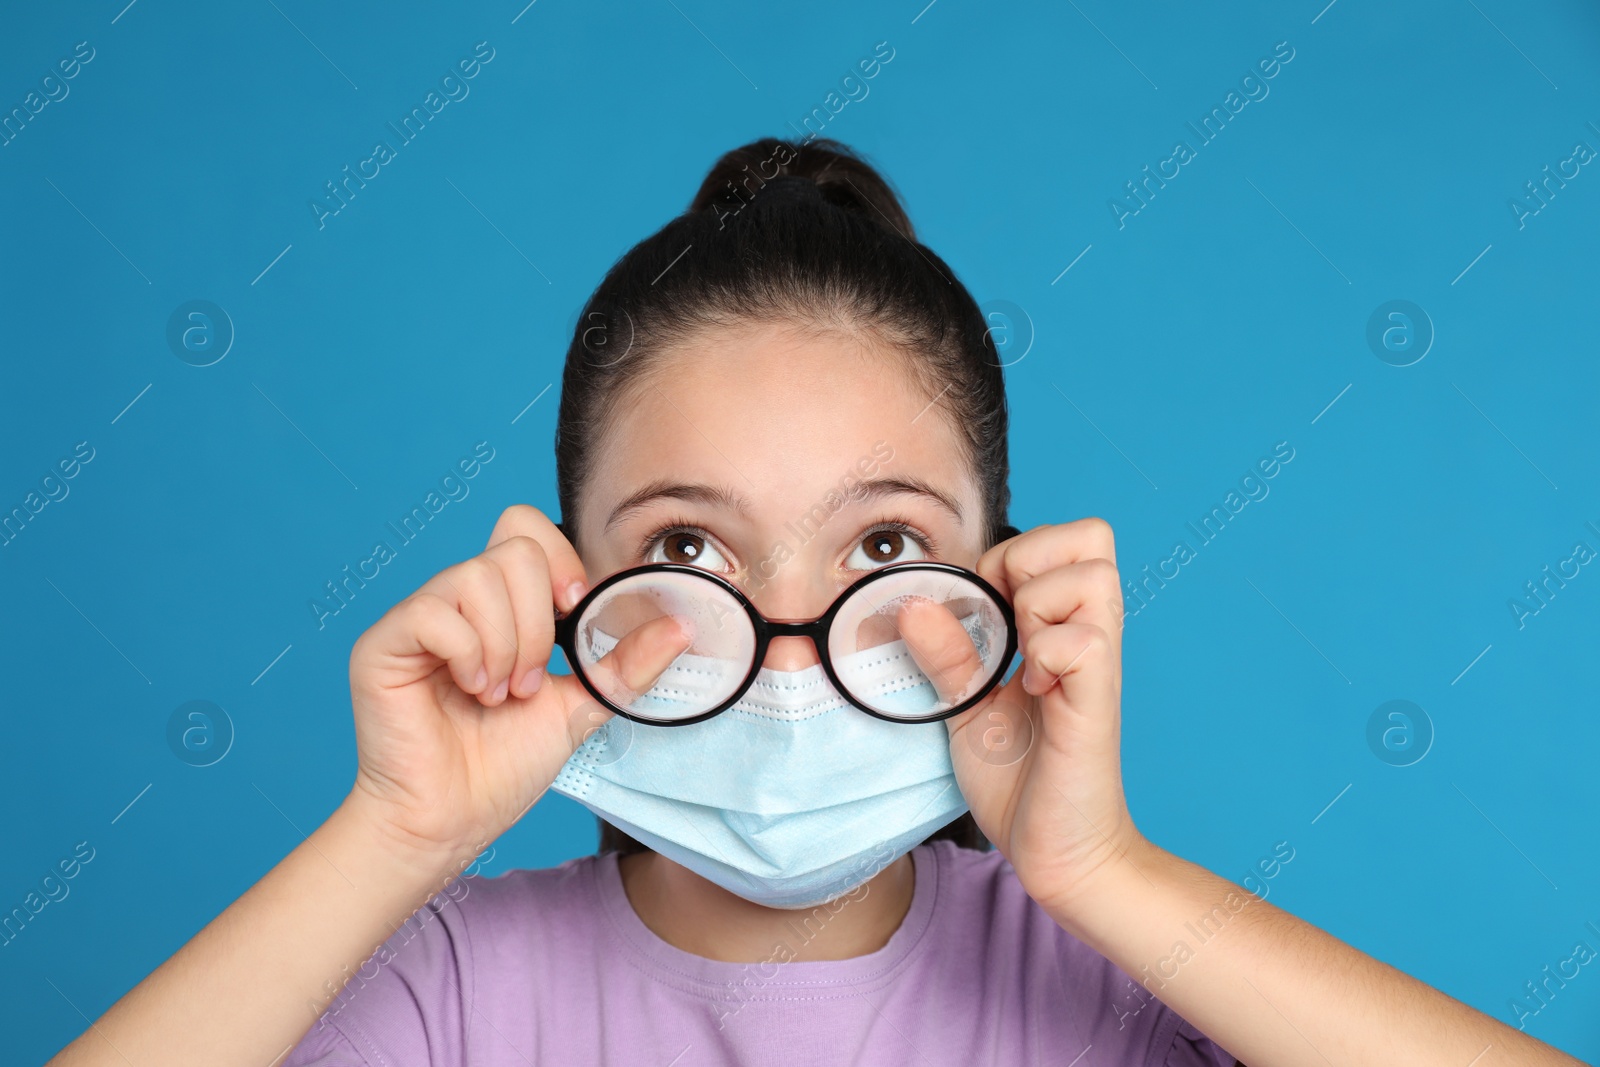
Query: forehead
column 780, row 414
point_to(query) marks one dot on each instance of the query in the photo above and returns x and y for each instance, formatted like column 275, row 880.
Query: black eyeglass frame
column 766, row 629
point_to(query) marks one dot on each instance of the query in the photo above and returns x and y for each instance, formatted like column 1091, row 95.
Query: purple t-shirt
column 553, row 966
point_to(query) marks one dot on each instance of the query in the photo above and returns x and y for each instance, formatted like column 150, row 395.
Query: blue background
column 1229, row 314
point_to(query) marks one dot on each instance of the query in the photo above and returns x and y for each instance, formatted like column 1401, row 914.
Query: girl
column 779, row 395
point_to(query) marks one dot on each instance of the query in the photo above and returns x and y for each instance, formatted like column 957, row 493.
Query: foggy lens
column 632, row 645
column 916, row 643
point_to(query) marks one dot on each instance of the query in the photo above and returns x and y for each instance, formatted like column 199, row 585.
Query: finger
column 941, row 648
column 414, row 637
column 476, row 588
column 1069, row 667
column 625, row 611
column 568, row 579
column 522, row 560
column 1010, row 563
column 586, row 716
column 1083, row 592
column 632, row 667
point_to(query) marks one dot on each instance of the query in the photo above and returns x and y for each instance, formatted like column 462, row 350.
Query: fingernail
column 575, row 592
column 483, row 676
column 501, row 690
column 528, row 683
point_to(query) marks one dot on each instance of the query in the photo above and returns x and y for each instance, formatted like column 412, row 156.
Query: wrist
column 418, row 860
column 1095, row 903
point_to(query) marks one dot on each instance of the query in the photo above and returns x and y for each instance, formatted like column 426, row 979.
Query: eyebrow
column 720, row 496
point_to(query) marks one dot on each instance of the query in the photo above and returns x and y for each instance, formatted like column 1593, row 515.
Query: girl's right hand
column 459, row 729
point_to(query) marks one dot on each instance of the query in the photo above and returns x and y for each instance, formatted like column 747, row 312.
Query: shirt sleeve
column 1191, row 1048
column 325, row 1046
column 404, row 1005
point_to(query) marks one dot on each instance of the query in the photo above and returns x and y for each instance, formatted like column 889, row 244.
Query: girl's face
column 789, row 465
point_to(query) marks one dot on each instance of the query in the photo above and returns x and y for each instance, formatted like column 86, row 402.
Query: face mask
column 788, row 798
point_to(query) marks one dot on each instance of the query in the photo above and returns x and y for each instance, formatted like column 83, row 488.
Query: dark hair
column 807, row 234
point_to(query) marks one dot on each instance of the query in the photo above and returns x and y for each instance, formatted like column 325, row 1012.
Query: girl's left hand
column 1038, row 760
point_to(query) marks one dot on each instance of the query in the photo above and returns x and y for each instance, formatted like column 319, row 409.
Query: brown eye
column 686, row 546
column 883, row 546
column 683, row 547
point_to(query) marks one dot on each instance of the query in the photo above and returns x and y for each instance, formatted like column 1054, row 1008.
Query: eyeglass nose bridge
column 815, row 629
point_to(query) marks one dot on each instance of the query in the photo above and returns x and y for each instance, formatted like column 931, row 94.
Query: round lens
column 915, row 643
column 665, row 646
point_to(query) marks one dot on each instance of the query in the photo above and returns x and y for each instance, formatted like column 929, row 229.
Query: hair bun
column 817, row 169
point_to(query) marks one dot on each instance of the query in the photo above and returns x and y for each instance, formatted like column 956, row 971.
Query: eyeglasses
column 670, row 644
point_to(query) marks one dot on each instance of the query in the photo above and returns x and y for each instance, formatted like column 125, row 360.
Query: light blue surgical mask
column 788, row 798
